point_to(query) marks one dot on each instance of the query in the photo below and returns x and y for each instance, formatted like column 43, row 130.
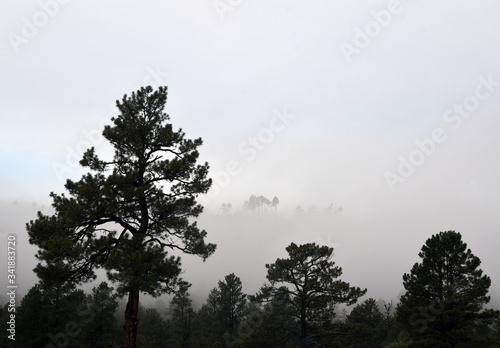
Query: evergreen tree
column 208, row 329
column 31, row 322
column 270, row 325
column 54, row 316
column 4, row 319
column 275, row 203
column 366, row 313
column 231, row 305
column 365, row 325
column 299, row 212
column 307, row 280
column 262, row 202
column 251, row 204
column 153, row 331
column 102, row 330
column 183, row 316
column 445, row 293
column 128, row 213
column 218, row 319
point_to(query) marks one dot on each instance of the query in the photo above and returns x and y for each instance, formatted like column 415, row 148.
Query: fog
column 372, row 250
column 387, row 109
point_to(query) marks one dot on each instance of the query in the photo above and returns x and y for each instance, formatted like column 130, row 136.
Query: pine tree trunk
column 131, row 320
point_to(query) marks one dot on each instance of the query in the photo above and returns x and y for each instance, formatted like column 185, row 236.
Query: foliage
column 52, row 316
column 208, row 331
column 220, row 317
column 231, row 303
column 153, row 331
column 4, row 319
column 102, row 330
column 183, row 316
column 364, row 326
column 307, row 281
column 128, row 213
column 445, row 293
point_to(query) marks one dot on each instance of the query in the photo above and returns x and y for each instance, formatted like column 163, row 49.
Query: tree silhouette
column 251, row 204
column 445, row 293
column 299, row 212
column 102, row 303
column 208, row 328
column 231, row 302
column 263, row 203
column 306, row 279
column 183, row 315
column 128, row 213
column 226, row 208
column 365, row 325
column 275, row 203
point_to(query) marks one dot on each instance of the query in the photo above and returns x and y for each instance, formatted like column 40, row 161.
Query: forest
column 129, row 213
column 299, row 306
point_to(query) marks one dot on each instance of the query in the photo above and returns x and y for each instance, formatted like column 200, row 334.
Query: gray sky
column 386, row 108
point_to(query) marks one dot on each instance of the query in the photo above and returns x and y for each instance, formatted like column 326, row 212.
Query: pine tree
column 307, row 280
column 275, row 203
column 183, row 316
column 31, row 319
column 445, row 293
column 231, row 304
column 153, row 330
column 208, row 330
column 365, row 325
column 5, row 326
column 102, row 304
column 129, row 212
column 52, row 316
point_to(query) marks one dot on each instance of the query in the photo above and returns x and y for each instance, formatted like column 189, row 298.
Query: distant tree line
column 313, row 210
column 261, row 204
column 297, row 307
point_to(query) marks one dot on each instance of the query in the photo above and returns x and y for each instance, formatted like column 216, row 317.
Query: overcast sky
column 386, row 108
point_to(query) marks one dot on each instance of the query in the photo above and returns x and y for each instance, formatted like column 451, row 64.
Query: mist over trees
column 129, row 215
column 298, row 306
column 261, row 204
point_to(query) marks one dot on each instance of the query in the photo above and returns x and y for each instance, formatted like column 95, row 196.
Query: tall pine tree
column 231, row 305
column 127, row 213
